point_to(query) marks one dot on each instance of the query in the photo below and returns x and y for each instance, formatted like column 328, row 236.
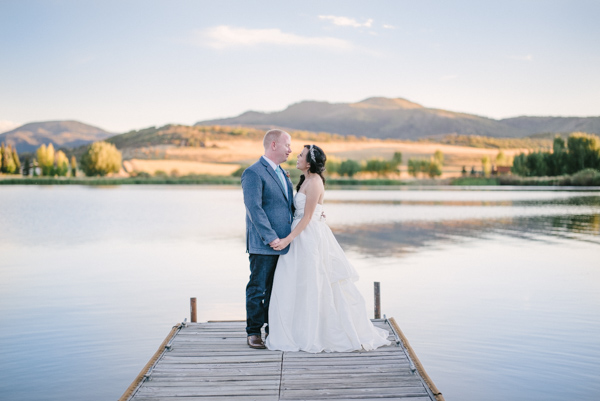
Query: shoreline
column 503, row 181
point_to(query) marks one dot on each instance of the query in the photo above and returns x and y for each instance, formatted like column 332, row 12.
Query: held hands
column 281, row 243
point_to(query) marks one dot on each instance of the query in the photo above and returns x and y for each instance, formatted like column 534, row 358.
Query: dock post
column 377, row 300
column 193, row 310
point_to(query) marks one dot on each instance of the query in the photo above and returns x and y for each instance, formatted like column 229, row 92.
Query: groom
column 268, row 199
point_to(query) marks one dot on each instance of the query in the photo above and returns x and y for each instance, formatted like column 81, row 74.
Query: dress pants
column 258, row 292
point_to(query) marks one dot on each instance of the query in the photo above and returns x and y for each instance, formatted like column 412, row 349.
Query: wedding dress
column 315, row 305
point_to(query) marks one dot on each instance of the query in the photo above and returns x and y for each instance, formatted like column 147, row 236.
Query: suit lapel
column 290, row 192
column 273, row 174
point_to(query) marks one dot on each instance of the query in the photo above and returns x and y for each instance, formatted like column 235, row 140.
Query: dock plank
column 211, row 361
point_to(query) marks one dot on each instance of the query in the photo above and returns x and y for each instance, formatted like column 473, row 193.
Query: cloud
column 345, row 21
column 224, row 36
column 387, row 26
column 6, row 126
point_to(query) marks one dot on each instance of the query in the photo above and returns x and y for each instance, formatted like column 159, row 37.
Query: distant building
column 503, row 170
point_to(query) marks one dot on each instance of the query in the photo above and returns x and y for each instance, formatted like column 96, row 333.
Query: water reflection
column 91, row 280
column 394, row 239
column 570, row 201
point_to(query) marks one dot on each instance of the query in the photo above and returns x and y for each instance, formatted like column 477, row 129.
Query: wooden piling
column 193, row 317
column 376, row 289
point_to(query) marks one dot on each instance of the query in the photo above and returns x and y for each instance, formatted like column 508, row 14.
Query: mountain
column 398, row 118
column 539, row 125
column 62, row 134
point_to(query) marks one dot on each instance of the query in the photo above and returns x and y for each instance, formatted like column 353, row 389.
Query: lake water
column 498, row 290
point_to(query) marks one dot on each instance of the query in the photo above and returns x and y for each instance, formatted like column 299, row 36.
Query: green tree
column 486, row 165
column 332, row 165
column 519, row 166
column 536, row 164
column 434, row 169
column 101, row 158
column 9, row 165
column 438, row 157
column 15, row 157
column 240, row 170
column 349, row 168
column 73, row 166
column 413, row 167
column 45, row 158
column 3, row 159
column 556, row 162
column 396, row 162
column 424, row 167
column 558, row 146
column 416, row 167
column 502, row 159
column 62, row 164
column 376, row 166
column 583, row 152
column 26, row 166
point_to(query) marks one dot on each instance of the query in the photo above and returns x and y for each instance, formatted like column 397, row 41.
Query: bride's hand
column 282, row 244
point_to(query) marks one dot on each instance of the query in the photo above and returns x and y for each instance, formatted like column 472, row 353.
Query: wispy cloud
column 345, row 21
column 528, row 57
column 6, row 125
column 388, row 26
column 225, row 36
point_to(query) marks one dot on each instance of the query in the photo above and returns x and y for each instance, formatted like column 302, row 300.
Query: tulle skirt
column 315, row 305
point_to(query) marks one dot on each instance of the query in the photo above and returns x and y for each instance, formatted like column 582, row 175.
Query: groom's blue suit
column 269, row 215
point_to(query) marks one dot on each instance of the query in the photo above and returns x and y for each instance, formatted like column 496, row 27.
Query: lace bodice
column 300, row 202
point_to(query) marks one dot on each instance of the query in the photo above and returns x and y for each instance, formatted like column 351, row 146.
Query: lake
column 497, row 289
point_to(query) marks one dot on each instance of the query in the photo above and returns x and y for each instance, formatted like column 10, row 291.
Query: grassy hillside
column 398, row 118
column 537, row 142
column 61, row 134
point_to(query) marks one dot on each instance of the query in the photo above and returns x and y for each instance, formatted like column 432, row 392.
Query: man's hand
column 274, row 243
column 282, row 244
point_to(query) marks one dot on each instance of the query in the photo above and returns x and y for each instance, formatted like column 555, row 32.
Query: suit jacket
column 269, row 213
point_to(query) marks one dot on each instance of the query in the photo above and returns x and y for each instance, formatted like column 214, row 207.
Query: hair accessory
column 312, row 153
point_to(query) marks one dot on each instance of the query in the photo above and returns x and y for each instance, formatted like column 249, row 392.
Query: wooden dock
column 211, row 361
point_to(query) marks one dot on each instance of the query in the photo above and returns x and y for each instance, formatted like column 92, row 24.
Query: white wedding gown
column 315, row 305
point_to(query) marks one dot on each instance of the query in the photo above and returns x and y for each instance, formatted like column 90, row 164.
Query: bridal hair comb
column 312, row 153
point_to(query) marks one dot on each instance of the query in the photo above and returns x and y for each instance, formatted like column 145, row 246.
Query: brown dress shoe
column 256, row 342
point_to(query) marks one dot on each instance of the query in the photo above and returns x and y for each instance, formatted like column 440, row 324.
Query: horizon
column 192, row 124
column 125, row 66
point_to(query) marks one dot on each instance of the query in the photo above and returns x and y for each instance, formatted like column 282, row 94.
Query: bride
column 315, row 305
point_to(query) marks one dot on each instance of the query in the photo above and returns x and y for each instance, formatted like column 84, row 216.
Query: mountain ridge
column 62, row 134
column 399, row 118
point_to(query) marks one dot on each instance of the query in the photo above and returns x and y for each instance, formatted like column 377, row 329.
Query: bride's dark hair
column 316, row 158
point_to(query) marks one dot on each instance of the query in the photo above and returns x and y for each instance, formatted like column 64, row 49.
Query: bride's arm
column 314, row 188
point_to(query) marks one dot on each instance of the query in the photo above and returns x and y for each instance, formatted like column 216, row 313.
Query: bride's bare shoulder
column 315, row 185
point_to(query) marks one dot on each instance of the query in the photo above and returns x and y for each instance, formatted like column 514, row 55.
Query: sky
column 124, row 65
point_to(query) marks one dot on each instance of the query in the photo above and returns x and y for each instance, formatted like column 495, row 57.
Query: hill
column 380, row 117
column 62, row 134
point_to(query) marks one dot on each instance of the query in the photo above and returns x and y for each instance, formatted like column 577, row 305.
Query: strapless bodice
column 300, row 202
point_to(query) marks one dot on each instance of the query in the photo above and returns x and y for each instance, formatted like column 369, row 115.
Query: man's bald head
column 278, row 145
column 272, row 136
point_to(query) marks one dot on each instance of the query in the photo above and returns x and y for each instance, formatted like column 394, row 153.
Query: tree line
column 381, row 167
column 99, row 159
column 9, row 160
column 581, row 151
